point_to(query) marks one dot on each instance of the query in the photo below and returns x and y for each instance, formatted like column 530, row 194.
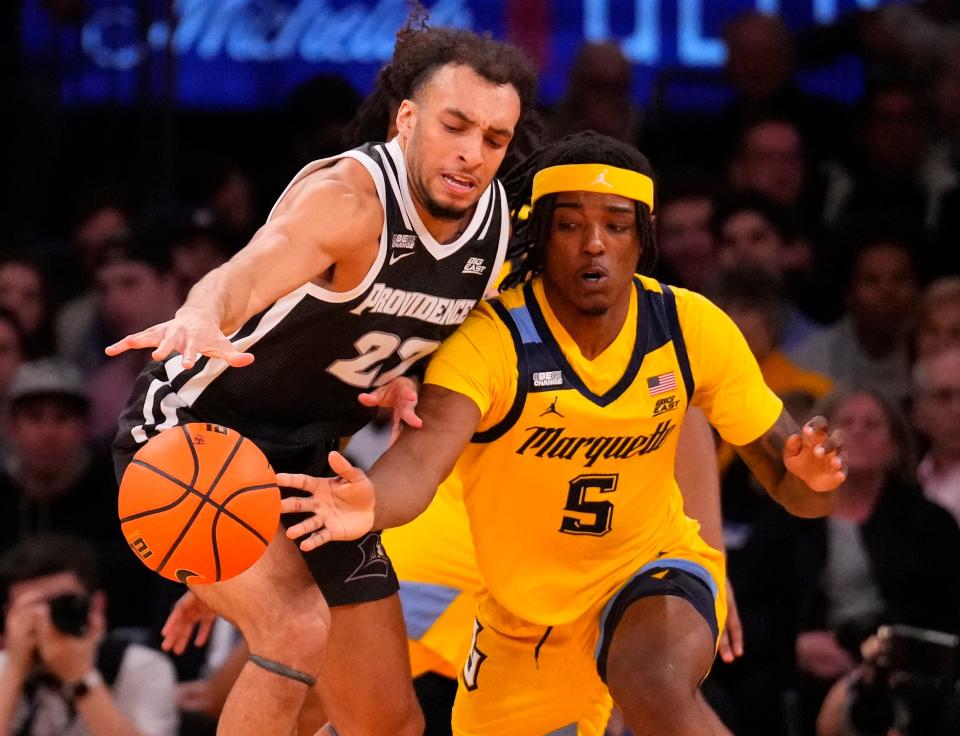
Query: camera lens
column 69, row 613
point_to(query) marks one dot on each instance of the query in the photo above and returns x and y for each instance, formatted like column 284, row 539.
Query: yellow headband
column 593, row 178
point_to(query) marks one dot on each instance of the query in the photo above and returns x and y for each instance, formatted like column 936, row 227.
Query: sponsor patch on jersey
column 437, row 310
column 403, row 240
column 547, row 378
column 475, row 265
column 667, row 403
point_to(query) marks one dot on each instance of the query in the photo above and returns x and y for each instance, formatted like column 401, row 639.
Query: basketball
column 199, row 503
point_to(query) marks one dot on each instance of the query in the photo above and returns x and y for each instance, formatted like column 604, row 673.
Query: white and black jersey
column 317, row 349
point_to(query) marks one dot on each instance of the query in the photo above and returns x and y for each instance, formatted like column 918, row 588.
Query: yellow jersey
column 568, row 481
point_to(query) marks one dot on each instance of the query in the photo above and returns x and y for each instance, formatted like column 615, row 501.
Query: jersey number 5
column 375, row 348
column 593, row 517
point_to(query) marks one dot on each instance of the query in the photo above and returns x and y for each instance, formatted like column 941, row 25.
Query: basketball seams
column 160, row 509
column 194, row 491
column 193, row 454
column 253, row 514
column 196, row 512
column 222, row 509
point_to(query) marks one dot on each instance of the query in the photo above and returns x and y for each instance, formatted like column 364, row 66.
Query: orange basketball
column 199, row 503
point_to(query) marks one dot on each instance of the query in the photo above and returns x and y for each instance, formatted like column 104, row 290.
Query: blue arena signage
column 252, row 53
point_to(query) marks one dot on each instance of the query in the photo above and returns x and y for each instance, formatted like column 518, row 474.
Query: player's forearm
column 222, row 295
column 406, row 476
column 800, row 500
column 404, row 487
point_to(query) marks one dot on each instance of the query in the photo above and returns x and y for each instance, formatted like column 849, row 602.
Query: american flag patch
column 662, row 383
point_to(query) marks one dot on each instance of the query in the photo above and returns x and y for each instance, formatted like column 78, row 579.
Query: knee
column 297, row 627
column 393, row 716
column 655, row 687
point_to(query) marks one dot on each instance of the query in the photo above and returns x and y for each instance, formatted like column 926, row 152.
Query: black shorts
column 346, row 572
column 676, row 582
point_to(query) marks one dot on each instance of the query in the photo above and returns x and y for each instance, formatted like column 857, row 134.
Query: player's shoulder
column 509, row 299
column 342, row 186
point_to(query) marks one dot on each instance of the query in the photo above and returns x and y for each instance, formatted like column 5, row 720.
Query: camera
column 910, row 684
column 70, row 613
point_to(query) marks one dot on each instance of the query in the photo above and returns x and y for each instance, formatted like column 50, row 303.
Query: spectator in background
column 23, row 292
column 890, row 175
column 869, row 345
column 317, row 114
column 135, row 289
column 770, row 160
column 760, row 67
column 879, row 558
column 686, row 247
column 753, row 232
column 753, row 299
column 195, row 249
column 598, row 95
column 11, row 349
column 60, row 671
column 936, row 414
column 54, row 483
column 11, row 357
column 938, row 322
column 101, row 221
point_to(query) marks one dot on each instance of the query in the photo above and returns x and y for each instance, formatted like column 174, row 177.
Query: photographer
column 907, row 685
column 60, row 673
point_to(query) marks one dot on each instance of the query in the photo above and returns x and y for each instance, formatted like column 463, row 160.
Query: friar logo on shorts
column 375, row 563
column 667, row 403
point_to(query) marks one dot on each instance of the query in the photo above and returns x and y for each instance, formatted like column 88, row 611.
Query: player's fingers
column 372, row 398
column 725, row 651
column 735, row 634
column 342, row 467
column 296, row 505
column 295, row 480
column 146, row 339
column 317, row 539
column 305, row 527
column 226, row 350
column 408, row 415
column 167, row 345
column 203, row 631
column 831, row 443
column 815, row 428
column 189, row 352
column 793, row 445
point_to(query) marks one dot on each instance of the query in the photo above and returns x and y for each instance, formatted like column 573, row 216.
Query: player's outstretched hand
column 816, row 456
column 400, row 395
column 731, row 638
column 340, row 508
column 190, row 333
column 187, row 613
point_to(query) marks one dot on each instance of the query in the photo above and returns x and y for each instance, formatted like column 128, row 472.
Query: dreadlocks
column 419, row 52
column 530, row 235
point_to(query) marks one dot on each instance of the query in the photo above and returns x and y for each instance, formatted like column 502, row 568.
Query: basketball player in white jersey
column 366, row 263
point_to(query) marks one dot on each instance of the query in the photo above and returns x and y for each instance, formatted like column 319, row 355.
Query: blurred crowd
column 829, row 233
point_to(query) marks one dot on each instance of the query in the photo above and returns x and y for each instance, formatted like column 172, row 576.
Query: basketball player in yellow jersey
column 564, row 397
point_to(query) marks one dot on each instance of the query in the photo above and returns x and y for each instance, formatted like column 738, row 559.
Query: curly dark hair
column 530, row 236
column 419, row 52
